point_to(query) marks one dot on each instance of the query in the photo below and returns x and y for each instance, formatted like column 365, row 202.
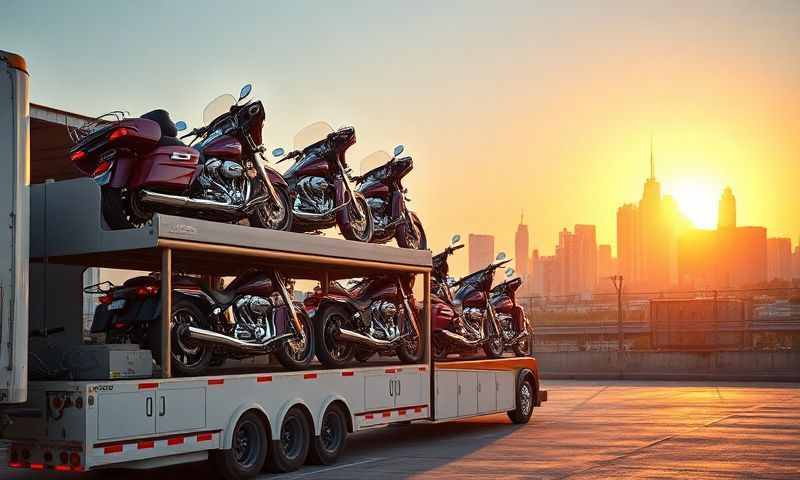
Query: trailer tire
column 249, row 451
column 329, row 445
column 290, row 449
column 524, row 395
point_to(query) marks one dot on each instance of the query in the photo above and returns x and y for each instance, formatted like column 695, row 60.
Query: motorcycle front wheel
column 413, row 235
column 296, row 354
column 274, row 216
column 355, row 220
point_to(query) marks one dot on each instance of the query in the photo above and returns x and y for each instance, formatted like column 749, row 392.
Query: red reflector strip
column 147, row 386
column 112, row 449
column 216, row 381
column 387, row 414
column 175, row 441
column 401, row 412
column 391, row 370
column 63, row 468
column 37, row 466
column 204, row 437
column 16, row 465
column 267, row 378
column 369, row 416
column 422, row 369
column 145, row 444
column 310, row 376
column 348, row 374
column 417, row 409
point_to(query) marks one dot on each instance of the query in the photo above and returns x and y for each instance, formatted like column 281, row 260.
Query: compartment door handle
column 148, row 407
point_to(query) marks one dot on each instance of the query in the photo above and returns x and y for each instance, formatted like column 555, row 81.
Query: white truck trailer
column 242, row 420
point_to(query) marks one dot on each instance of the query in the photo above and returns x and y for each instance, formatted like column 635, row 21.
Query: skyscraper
column 605, row 263
column 481, row 251
column 779, row 259
column 576, row 256
column 521, row 248
column 726, row 216
column 628, row 243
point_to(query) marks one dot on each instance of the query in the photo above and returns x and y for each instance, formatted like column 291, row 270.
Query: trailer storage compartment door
column 14, row 224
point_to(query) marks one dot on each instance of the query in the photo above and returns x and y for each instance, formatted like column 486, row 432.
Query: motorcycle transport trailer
column 238, row 417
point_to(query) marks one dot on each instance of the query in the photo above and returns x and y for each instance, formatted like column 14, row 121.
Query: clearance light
column 118, row 133
column 77, row 156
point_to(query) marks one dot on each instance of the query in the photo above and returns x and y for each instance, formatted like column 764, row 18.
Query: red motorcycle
column 209, row 325
column 466, row 321
column 319, row 181
column 381, row 183
column 514, row 323
column 142, row 167
column 376, row 314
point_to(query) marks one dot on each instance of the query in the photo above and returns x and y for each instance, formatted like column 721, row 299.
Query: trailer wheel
column 247, row 455
column 289, row 452
column 326, row 448
column 524, row 404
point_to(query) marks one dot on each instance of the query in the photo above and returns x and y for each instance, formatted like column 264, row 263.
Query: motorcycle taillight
column 78, row 156
column 118, row 133
column 106, row 299
column 148, row 291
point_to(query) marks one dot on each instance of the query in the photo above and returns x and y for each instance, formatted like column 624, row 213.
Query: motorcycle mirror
column 509, row 272
column 500, row 256
column 278, row 152
column 455, row 239
column 398, row 150
column 181, row 125
column 245, row 91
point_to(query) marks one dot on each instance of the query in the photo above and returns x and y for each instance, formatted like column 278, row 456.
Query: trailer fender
column 227, row 441
column 276, row 425
column 325, row 404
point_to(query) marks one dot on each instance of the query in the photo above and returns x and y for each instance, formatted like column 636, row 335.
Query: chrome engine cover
column 221, row 181
column 474, row 315
column 314, row 195
column 384, row 319
column 254, row 318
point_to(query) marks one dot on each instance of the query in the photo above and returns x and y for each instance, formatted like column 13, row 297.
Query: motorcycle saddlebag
column 168, row 168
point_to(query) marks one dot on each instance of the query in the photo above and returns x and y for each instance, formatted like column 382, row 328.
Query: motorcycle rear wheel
column 412, row 236
column 274, row 217
column 186, row 361
column 494, row 347
column 330, row 351
column 354, row 225
column 297, row 354
column 522, row 348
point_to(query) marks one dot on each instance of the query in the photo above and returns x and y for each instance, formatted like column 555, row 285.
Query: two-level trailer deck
column 241, row 420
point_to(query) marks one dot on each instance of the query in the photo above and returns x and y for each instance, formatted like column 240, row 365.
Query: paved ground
column 602, row 429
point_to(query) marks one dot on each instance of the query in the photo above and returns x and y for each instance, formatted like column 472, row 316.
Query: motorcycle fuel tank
column 253, row 283
column 503, row 304
column 374, row 189
column 309, row 165
column 470, row 296
column 223, row 146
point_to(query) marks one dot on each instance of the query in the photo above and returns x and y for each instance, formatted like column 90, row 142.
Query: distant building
column 726, row 215
column 605, row 263
column 481, row 251
column 779, row 258
column 725, row 258
column 521, row 249
column 628, row 243
column 576, row 256
column 796, row 262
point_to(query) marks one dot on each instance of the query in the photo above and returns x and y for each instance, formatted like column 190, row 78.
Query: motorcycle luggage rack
column 76, row 134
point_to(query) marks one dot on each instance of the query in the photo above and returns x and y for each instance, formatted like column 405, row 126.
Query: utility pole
column 617, row 279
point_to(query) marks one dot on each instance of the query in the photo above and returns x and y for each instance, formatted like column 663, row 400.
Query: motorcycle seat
column 169, row 132
column 220, row 297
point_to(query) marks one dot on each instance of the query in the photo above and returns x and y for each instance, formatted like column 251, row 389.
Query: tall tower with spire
column 521, row 247
column 726, row 215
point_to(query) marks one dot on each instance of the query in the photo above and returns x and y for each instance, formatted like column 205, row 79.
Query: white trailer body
column 14, row 210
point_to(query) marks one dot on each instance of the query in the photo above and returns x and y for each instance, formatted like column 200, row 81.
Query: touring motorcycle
column 251, row 316
column 322, row 194
column 142, row 167
column 513, row 321
column 375, row 314
column 381, row 183
column 465, row 321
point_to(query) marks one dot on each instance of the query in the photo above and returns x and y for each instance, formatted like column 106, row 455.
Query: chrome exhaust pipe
column 459, row 339
column 315, row 217
column 213, row 338
column 178, row 201
column 350, row 336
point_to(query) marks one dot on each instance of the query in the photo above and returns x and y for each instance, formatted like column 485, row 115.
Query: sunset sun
column 698, row 201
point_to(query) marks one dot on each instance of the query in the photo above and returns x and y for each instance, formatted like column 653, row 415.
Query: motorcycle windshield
column 311, row 135
column 373, row 161
column 219, row 106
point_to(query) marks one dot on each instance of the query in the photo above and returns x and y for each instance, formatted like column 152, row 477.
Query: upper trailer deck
column 66, row 227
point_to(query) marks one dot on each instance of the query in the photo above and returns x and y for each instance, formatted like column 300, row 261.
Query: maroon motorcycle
column 319, row 181
column 465, row 321
column 514, row 323
column 249, row 317
column 143, row 168
column 381, row 183
column 376, row 314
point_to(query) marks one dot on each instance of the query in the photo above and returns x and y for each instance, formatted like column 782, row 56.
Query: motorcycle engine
column 254, row 315
column 222, row 181
column 507, row 325
column 384, row 320
column 380, row 212
column 314, row 195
